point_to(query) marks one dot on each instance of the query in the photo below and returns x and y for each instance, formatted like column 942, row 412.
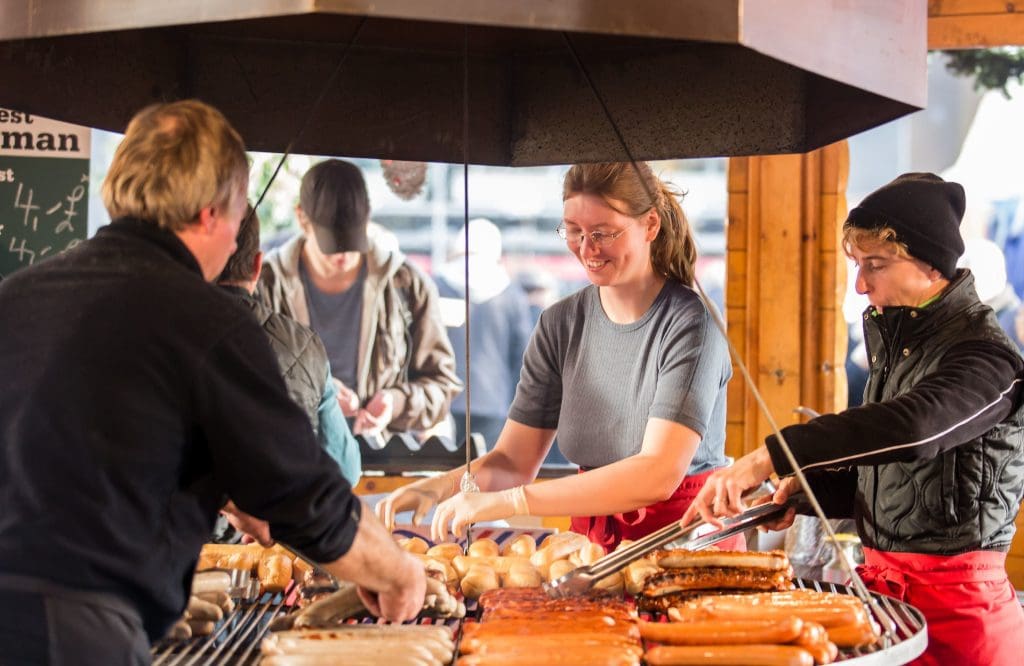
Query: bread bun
column 521, row 546
column 478, row 580
column 445, row 551
column 483, row 548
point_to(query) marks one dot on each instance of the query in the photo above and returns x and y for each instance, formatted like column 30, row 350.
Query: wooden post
column 784, row 288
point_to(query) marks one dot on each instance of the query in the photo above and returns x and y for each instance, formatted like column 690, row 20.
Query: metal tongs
column 581, row 579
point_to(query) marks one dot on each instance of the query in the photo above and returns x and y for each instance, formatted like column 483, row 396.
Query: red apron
column 608, row 531
column 971, row 608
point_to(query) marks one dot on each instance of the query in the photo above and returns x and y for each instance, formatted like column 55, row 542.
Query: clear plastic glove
column 347, row 399
column 250, row 526
column 467, row 508
column 419, row 497
column 372, row 419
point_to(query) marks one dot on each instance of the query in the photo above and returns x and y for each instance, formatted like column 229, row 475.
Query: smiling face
column 622, row 261
column 890, row 279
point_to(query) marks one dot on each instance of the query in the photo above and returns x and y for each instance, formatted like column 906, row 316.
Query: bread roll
column 413, row 545
column 463, row 564
column 521, row 575
column 591, row 552
column 445, row 551
column 521, row 546
column 559, row 568
column 612, row 583
column 275, row 572
column 245, row 560
column 483, row 548
column 478, row 580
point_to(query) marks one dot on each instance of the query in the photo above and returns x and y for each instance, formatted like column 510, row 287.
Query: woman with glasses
column 630, row 372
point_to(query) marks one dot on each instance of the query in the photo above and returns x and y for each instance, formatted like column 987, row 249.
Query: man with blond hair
column 138, row 398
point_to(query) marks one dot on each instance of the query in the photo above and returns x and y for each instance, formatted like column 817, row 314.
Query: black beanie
column 924, row 211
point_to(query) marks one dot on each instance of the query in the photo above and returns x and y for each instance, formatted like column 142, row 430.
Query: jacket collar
column 149, row 231
column 959, row 295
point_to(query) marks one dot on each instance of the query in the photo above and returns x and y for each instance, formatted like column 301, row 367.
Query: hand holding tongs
column 580, row 580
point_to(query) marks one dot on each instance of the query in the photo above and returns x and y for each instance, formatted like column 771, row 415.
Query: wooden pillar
column 784, row 287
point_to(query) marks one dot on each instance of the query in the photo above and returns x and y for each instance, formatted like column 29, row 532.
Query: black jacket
column 300, row 354
column 933, row 462
column 135, row 397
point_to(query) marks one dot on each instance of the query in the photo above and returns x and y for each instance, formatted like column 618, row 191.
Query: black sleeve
column 977, row 385
column 265, row 454
column 835, row 489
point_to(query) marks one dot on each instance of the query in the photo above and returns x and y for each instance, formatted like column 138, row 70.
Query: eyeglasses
column 597, row 238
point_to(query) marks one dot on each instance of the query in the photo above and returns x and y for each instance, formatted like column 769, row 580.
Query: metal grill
column 236, row 640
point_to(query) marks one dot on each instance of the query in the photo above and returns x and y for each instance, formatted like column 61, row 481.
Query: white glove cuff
column 518, row 497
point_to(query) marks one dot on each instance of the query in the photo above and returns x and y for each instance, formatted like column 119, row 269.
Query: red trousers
column 971, row 608
column 608, row 531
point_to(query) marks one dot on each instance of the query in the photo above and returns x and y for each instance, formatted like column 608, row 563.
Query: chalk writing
column 46, row 227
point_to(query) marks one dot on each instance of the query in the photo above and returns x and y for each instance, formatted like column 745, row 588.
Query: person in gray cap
column 932, row 465
column 377, row 314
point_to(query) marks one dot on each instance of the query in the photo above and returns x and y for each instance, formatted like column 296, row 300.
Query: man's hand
column 467, row 508
column 723, row 490
column 372, row 419
column 404, row 600
column 250, row 526
column 347, row 399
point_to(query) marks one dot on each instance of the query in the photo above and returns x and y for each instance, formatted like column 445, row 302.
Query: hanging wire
column 468, row 482
column 855, row 579
column 310, row 114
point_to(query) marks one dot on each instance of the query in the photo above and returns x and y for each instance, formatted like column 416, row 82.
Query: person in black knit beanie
column 924, row 211
column 931, row 466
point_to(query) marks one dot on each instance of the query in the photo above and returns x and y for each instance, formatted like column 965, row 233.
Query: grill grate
column 236, row 640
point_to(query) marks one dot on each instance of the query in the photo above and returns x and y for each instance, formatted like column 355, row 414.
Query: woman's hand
column 419, row 497
column 722, row 494
column 467, row 508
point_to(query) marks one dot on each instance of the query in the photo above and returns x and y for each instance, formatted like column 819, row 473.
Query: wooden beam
column 974, row 24
column 784, row 288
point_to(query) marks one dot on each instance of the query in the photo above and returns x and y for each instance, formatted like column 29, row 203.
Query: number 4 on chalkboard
column 28, row 206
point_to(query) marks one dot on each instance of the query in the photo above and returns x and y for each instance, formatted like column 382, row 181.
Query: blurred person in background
column 630, row 372
column 377, row 314
column 500, row 327
column 931, row 467
column 540, row 289
column 299, row 351
column 988, row 264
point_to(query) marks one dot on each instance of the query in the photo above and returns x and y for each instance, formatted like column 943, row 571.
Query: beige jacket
column 403, row 345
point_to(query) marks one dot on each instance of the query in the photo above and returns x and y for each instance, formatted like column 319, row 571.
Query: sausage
column 828, row 611
column 854, row 634
column 524, row 656
column 211, row 581
column 201, row 627
column 490, row 644
column 331, row 609
column 717, row 632
column 198, row 609
column 728, row 655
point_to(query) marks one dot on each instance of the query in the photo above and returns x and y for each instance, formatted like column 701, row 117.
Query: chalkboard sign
column 44, row 188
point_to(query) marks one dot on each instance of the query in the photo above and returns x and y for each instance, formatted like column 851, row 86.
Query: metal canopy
column 681, row 78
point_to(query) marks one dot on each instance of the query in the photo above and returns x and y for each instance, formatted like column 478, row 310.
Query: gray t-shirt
column 336, row 319
column 598, row 382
